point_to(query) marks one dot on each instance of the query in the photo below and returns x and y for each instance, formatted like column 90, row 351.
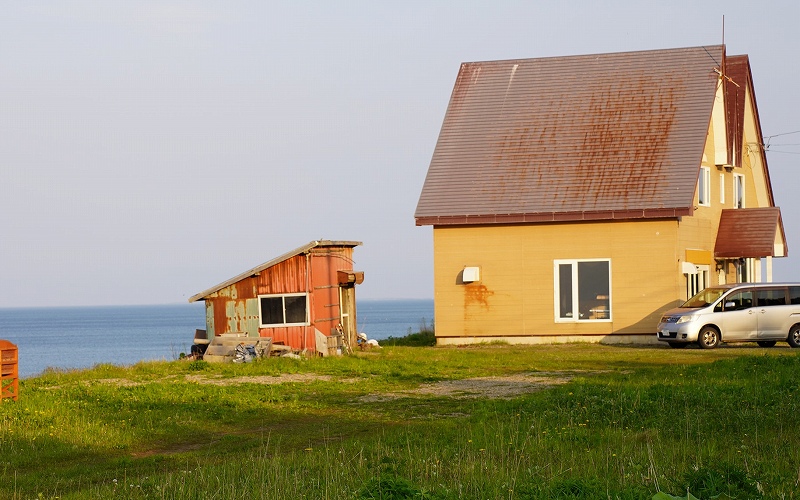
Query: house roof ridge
column 598, row 54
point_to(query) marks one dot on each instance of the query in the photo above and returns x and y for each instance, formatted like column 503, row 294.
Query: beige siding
column 699, row 232
column 515, row 294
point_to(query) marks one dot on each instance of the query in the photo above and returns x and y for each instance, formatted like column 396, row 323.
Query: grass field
column 554, row 421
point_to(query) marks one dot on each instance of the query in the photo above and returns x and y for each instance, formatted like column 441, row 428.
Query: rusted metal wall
column 289, row 276
column 297, row 337
column 232, row 309
column 325, row 262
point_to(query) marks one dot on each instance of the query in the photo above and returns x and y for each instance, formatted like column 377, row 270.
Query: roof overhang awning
column 750, row 232
column 542, row 217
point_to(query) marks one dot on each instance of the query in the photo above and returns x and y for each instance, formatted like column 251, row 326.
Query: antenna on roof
column 721, row 71
column 723, row 47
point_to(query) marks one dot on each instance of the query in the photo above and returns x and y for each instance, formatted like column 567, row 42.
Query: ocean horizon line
column 189, row 304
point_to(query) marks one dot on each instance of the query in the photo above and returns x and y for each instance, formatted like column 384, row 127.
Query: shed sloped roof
column 570, row 138
column 750, row 232
column 277, row 260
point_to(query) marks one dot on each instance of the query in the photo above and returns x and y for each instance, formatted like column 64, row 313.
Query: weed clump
column 390, row 487
column 424, row 337
column 198, row 365
column 725, row 480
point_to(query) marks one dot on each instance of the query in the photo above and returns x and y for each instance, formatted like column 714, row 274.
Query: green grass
column 630, row 422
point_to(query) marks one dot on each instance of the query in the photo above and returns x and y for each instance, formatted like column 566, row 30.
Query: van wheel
column 677, row 345
column 794, row 336
column 709, row 337
column 766, row 343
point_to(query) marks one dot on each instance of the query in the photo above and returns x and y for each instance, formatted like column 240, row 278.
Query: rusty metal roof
column 606, row 136
column 750, row 232
column 277, row 260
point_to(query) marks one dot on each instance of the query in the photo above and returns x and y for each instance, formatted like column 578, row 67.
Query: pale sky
column 150, row 150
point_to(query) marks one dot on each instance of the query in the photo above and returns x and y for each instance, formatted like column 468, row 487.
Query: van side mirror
column 730, row 305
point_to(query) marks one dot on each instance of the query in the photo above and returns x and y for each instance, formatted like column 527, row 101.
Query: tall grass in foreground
column 632, row 422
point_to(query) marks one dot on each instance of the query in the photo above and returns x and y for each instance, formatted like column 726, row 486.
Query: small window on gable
column 283, row 310
column 704, row 187
column 722, row 188
column 738, row 191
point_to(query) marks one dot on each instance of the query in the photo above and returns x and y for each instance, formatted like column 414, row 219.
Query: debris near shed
column 365, row 343
column 236, row 348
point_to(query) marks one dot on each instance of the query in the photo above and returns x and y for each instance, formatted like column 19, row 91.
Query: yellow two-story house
column 576, row 198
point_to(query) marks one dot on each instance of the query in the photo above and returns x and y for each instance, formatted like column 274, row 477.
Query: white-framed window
column 289, row 309
column 582, row 290
column 704, row 187
column 738, row 191
column 696, row 282
column 722, row 188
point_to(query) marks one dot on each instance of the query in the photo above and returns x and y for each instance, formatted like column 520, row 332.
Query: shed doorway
column 347, row 313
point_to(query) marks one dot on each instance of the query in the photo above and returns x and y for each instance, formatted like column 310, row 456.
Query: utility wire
column 783, row 152
column 785, row 133
column 766, row 145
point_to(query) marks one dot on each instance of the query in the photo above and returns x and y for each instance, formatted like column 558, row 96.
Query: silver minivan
column 765, row 313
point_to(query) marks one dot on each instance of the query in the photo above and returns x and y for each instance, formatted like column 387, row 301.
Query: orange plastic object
column 9, row 371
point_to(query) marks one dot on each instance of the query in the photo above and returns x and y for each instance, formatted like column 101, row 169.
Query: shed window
column 583, row 290
column 283, row 310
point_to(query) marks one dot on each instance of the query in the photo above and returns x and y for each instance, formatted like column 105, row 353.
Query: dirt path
column 503, row 387
column 497, row 387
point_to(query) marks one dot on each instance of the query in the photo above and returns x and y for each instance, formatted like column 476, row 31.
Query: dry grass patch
column 495, row 387
column 284, row 378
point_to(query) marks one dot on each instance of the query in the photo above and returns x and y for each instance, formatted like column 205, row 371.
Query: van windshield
column 705, row 298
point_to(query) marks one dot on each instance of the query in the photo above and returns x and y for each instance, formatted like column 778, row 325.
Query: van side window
column 741, row 300
column 794, row 294
column 771, row 296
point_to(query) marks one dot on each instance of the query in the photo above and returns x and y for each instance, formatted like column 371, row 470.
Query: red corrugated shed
column 234, row 305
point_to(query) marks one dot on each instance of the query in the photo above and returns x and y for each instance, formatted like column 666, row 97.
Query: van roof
column 756, row 285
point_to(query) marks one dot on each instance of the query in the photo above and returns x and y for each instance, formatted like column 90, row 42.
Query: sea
column 67, row 338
